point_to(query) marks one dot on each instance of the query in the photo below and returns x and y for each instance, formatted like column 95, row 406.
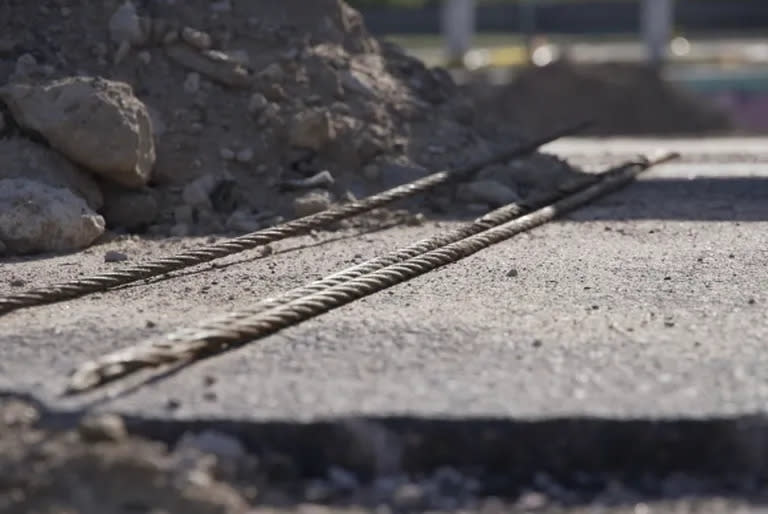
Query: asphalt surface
column 650, row 303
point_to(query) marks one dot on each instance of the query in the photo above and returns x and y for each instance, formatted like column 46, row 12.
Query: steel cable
column 103, row 281
column 236, row 330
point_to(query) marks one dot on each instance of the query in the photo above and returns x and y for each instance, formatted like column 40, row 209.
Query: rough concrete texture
column 621, row 344
column 625, row 309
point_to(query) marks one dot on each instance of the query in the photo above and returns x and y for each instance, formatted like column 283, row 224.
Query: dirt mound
column 254, row 105
column 627, row 99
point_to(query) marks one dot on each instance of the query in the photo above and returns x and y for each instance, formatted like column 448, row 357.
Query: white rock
column 97, row 123
column 21, row 158
column 124, row 25
column 196, row 38
column 36, row 218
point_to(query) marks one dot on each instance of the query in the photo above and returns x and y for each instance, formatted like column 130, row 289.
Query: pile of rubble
column 184, row 118
column 621, row 98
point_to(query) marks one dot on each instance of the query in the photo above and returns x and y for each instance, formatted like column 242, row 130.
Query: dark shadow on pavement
column 740, row 199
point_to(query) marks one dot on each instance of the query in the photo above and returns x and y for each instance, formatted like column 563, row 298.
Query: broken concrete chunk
column 196, row 38
column 217, row 66
column 97, row 123
column 312, row 129
column 21, row 158
column 38, row 218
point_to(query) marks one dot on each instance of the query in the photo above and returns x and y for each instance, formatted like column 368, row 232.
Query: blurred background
column 660, row 66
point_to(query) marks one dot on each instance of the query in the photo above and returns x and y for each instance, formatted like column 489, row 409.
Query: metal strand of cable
column 236, row 331
column 103, row 281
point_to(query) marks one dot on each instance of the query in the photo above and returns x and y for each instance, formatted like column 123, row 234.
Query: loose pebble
column 115, row 256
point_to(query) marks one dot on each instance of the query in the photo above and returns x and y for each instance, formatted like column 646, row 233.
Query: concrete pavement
column 640, row 316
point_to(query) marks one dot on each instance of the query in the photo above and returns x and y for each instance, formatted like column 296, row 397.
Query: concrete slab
column 649, row 304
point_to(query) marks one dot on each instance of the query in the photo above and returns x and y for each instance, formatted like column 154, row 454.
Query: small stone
column 17, row 282
column 227, row 154
column 196, row 38
column 192, row 83
column 272, row 73
column 512, row 273
column 245, row 155
column 209, row 380
column 124, row 25
column 115, row 256
column 150, row 324
column 144, row 57
column 529, row 501
column 171, row 37
column 311, row 203
column 257, row 103
column 409, row 497
column 102, row 427
column 324, row 179
column 172, row 404
column 312, row 130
